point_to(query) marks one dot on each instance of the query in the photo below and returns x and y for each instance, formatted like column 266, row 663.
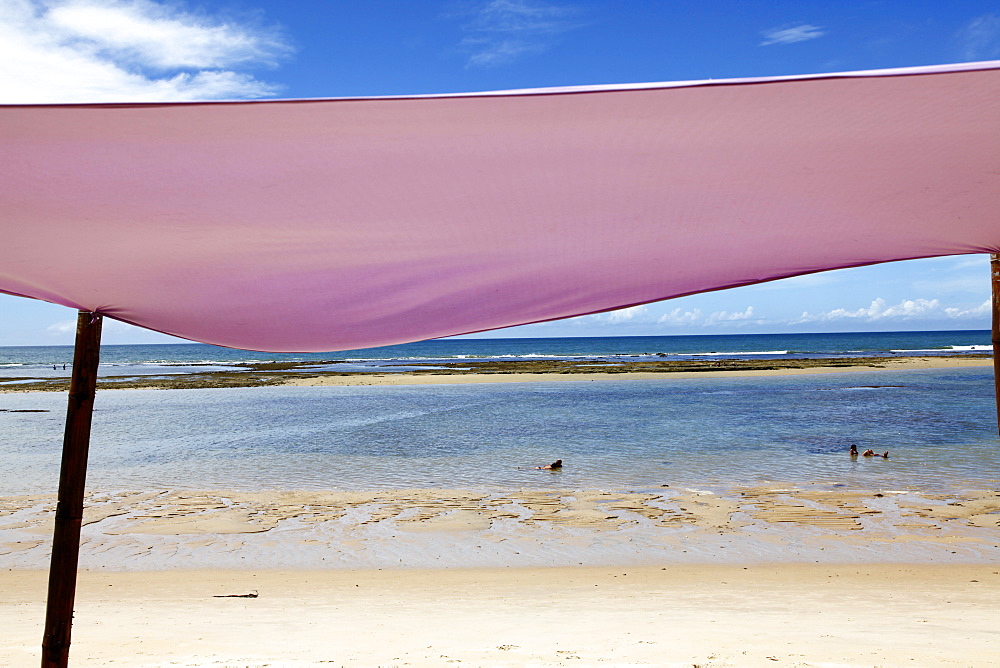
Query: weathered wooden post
column 72, row 479
column 995, row 284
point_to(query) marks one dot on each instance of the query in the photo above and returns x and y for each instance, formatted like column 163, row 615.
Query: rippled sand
column 464, row 528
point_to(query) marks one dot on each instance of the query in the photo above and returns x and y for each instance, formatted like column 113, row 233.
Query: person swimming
column 554, row 466
column 854, row 450
column 871, row 453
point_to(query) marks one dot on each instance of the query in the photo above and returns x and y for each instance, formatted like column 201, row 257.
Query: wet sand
column 442, row 528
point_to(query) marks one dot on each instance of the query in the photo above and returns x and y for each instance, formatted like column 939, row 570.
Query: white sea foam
column 426, row 358
column 949, row 349
column 527, row 355
column 744, row 352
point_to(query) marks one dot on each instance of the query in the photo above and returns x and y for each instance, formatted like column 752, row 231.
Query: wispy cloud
column 679, row 317
column 803, row 281
column 727, row 316
column 696, row 318
column 908, row 309
column 645, row 316
column 981, row 311
column 62, row 332
column 649, row 318
column 631, row 314
column 62, row 327
column 129, row 50
column 501, row 31
column 791, row 34
column 980, row 38
column 979, row 261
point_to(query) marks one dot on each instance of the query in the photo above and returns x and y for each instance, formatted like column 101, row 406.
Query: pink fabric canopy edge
column 314, row 225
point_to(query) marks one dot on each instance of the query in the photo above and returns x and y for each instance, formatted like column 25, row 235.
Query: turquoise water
column 707, row 433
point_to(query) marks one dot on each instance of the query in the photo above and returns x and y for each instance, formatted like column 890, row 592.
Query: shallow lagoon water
column 705, row 433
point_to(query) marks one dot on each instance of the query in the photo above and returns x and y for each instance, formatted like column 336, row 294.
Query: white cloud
column 696, row 318
column 113, row 332
column 679, row 317
column 908, row 309
column 500, row 31
column 62, row 327
column 127, row 50
column 981, row 311
column 630, row 314
column 726, row 316
column 643, row 315
column 980, row 38
column 791, row 34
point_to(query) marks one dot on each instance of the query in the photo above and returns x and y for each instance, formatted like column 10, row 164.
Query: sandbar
column 301, row 374
column 732, row 371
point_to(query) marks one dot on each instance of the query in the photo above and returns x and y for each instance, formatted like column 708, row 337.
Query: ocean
column 38, row 361
column 939, row 425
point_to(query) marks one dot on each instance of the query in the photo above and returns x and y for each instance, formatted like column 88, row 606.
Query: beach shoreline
column 705, row 615
column 504, row 371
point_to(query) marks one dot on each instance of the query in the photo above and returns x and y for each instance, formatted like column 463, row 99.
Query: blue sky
column 125, row 50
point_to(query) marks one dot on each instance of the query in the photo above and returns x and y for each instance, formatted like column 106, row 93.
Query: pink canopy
column 314, row 225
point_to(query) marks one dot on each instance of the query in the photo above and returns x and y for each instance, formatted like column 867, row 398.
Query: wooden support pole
column 72, row 479
column 995, row 284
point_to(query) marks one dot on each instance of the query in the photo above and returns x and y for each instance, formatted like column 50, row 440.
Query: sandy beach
column 785, row 615
column 765, row 576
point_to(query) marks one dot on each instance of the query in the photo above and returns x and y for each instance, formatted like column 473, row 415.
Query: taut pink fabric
column 334, row 224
